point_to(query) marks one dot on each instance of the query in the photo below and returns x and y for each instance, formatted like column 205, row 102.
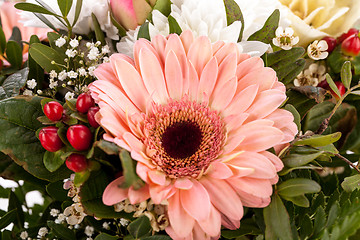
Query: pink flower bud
column 131, row 13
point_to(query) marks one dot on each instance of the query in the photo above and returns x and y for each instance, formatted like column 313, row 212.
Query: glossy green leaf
column 2, row 41
column 301, row 200
column 121, row 29
column 77, row 11
column 16, row 37
column 319, row 140
column 128, row 165
column 65, row 6
column 105, row 236
column 97, row 28
column 144, row 31
column 35, row 70
column 289, row 71
column 295, row 113
column 18, row 124
column 346, row 74
column 34, row 8
column 320, row 221
column 140, row 227
column 61, row 231
column 233, row 13
column 351, row 183
column 298, row 186
column 346, row 228
column 333, row 214
column 332, row 85
column 296, row 160
column 45, row 55
column 277, row 59
column 267, row 32
column 8, row 218
column 14, row 54
column 109, row 148
column 56, row 190
column 174, row 26
column 277, row 220
column 81, row 177
column 53, row 160
column 163, row 6
column 12, row 85
column 14, row 203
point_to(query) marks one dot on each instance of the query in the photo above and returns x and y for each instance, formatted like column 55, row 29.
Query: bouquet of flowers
column 180, row 119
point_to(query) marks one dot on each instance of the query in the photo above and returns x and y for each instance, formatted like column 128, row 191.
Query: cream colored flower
column 285, row 38
column 317, row 50
column 311, row 76
column 314, row 19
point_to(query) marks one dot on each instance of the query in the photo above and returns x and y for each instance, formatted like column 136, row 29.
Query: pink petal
column 170, row 231
column 194, row 82
column 158, row 193
column 217, row 46
column 196, row 201
column 199, row 233
column 212, row 225
column 200, row 53
column 265, row 103
column 132, row 83
column 233, row 122
column 124, row 13
column 250, row 200
column 141, row 171
column 223, row 95
column 187, row 38
column 233, row 141
column 249, row 65
column 159, row 43
column 274, row 159
column 225, row 51
column 227, row 69
column 240, row 171
column 145, row 44
column 242, row 100
column 113, row 193
column 133, row 142
column 105, row 72
column 153, row 76
column 208, row 78
column 183, row 183
column 173, row 76
column 181, row 222
column 223, row 197
column 157, row 177
column 140, row 195
column 264, row 77
column 229, row 223
column 257, row 187
column 219, row 170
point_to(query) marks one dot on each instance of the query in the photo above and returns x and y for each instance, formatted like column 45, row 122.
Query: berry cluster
column 79, row 136
column 349, row 41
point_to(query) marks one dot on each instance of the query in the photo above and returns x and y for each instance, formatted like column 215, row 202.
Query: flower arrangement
column 180, row 119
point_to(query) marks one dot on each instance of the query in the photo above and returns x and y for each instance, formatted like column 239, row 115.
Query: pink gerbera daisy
column 198, row 119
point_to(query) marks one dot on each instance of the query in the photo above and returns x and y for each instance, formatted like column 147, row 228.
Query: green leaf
column 296, row 160
column 109, row 148
column 174, row 26
column 77, row 11
column 319, row 140
column 332, row 85
column 233, row 13
column 61, row 231
column 65, row 6
column 105, row 236
column 140, row 227
column 320, row 221
column 53, row 160
column 12, row 85
column 45, row 55
column 351, row 183
column 144, row 31
column 46, row 21
column 18, row 125
column 277, row 220
column 81, row 177
column 346, row 228
column 121, row 29
column 8, row 218
column 128, row 165
column 333, row 214
column 35, row 70
column 248, row 227
column 16, row 37
column 300, row 200
column 289, row 72
column 295, row 113
column 267, row 32
column 56, row 190
column 14, row 203
column 346, row 74
column 97, row 28
column 14, row 54
column 2, row 41
column 298, row 186
column 163, row 6
column 34, row 8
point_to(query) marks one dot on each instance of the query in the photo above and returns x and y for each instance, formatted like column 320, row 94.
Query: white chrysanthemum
column 84, row 24
column 208, row 18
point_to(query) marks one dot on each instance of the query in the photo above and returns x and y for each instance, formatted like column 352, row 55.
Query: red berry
column 324, row 84
column 1, row 64
column 351, row 46
column 331, row 42
column 341, row 88
column 84, row 102
column 49, row 139
column 352, row 31
column 79, row 137
column 76, row 162
column 53, row 110
column 91, row 116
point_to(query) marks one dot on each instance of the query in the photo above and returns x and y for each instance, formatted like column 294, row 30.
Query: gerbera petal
column 139, row 195
column 223, row 197
column 173, row 76
column 187, row 38
column 274, row 159
column 257, row 187
column 201, row 44
column 159, row 44
column 181, row 222
column 158, row 193
column 223, row 95
column 157, row 177
column 212, row 225
column 242, row 101
column 248, row 65
column 219, row 170
column 196, row 201
column 264, row 77
column 208, row 78
column 113, row 193
column 183, row 183
column 153, row 76
column 250, row 200
column 225, row 51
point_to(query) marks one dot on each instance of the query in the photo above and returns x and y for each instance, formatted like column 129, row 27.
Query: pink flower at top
column 198, row 119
